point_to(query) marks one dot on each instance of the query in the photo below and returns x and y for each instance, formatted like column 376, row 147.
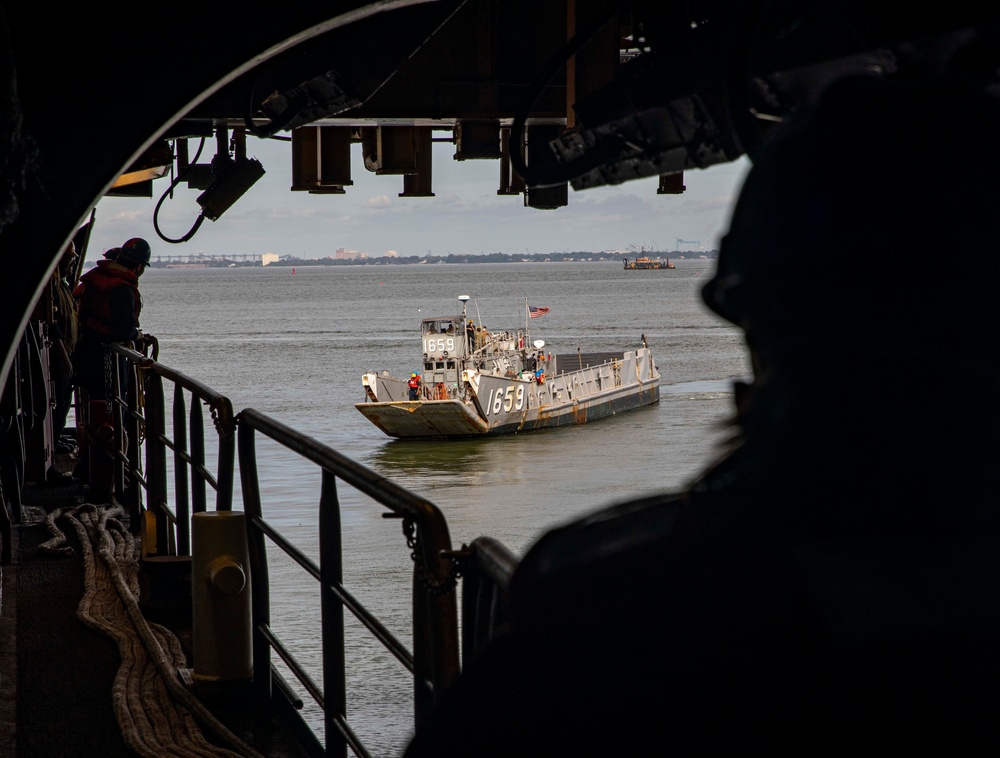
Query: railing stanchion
column 222, row 410
column 198, row 501
column 129, row 493
column 156, row 464
column 181, row 498
column 259, row 584
column 332, row 615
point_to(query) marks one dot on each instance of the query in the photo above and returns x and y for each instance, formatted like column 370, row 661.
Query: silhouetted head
column 867, row 230
column 135, row 252
column 69, row 258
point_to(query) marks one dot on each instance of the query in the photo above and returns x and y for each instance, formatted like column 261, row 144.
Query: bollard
column 221, row 622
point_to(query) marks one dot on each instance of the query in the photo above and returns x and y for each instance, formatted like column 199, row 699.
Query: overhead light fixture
column 154, row 163
column 233, row 175
column 231, row 182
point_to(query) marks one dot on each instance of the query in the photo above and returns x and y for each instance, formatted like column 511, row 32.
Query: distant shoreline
column 239, row 261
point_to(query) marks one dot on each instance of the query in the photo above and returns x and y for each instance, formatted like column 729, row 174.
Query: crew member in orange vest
column 109, row 304
column 414, row 385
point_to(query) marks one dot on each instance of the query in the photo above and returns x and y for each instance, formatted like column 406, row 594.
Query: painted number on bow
column 506, row 399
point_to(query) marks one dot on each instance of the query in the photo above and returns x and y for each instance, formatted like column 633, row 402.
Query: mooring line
column 157, row 714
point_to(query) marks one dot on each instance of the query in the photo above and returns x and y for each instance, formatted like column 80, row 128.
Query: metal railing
column 483, row 568
column 140, row 416
column 434, row 662
column 487, row 567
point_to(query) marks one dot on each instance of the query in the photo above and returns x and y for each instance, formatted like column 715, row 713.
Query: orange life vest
column 94, row 295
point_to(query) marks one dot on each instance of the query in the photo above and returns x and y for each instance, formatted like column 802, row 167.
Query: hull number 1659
column 439, row 345
column 505, row 399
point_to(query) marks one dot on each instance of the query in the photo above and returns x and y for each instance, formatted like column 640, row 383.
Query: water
column 294, row 346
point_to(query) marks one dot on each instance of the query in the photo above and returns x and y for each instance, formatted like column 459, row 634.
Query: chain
column 213, row 411
column 423, row 573
column 109, row 385
column 140, row 401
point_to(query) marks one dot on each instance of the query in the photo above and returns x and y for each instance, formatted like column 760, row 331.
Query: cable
column 156, row 211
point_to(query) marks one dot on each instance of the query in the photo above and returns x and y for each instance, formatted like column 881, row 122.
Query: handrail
column 140, row 416
column 485, row 566
column 435, row 659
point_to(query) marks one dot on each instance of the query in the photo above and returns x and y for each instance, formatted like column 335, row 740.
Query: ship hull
column 424, row 418
column 499, row 405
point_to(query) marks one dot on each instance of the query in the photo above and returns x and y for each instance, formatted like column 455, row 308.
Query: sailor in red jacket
column 414, row 385
column 109, row 304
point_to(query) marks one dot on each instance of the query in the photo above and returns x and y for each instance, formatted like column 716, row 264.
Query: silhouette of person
column 63, row 330
column 829, row 586
column 64, row 334
column 109, row 308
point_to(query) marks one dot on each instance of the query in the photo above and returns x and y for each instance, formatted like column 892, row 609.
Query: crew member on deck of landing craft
column 414, row 385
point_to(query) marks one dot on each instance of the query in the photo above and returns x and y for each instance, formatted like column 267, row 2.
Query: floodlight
column 232, row 180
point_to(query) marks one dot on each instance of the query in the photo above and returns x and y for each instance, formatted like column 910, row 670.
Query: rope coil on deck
column 158, row 716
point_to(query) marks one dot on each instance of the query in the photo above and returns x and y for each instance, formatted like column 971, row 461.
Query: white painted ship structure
column 476, row 382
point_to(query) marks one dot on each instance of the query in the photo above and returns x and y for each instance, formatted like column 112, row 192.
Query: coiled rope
column 157, row 714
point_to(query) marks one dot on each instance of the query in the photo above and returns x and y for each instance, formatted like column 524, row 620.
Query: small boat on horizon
column 475, row 382
column 645, row 262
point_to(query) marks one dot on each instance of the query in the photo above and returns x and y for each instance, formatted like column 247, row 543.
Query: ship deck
column 57, row 674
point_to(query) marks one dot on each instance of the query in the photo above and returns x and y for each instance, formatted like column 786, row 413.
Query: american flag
column 535, row 311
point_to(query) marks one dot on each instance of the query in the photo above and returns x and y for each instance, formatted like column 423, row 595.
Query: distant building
column 391, row 254
column 269, row 258
column 343, row 254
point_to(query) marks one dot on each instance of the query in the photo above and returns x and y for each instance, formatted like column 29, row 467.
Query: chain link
column 109, row 385
column 424, row 575
column 140, row 401
column 216, row 421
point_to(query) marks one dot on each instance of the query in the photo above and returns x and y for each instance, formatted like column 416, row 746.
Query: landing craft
column 479, row 382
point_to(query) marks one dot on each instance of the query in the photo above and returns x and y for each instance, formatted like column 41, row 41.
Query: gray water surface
column 294, row 346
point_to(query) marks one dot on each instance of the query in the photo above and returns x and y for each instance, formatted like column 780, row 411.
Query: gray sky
column 465, row 216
